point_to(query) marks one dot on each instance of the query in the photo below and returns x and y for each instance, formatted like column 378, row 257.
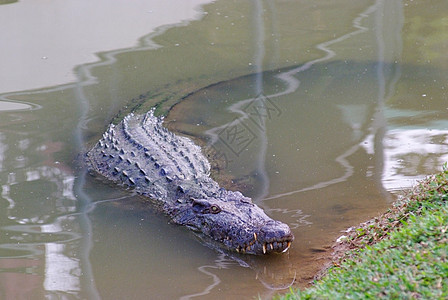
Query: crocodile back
column 141, row 153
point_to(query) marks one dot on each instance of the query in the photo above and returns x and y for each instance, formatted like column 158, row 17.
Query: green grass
column 401, row 255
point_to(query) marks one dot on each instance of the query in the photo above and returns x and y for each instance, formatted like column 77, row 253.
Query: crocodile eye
column 215, row 209
column 204, row 207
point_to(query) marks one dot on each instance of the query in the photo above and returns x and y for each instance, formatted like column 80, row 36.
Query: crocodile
column 140, row 153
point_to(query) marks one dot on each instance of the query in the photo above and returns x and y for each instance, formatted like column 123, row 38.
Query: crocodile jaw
column 234, row 223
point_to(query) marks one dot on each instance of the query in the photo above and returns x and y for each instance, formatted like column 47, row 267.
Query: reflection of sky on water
column 62, row 270
column 3, row 148
column 46, row 39
column 409, row 153
column 10, row 106
column 44, row 221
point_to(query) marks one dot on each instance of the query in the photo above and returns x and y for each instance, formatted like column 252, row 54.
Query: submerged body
column 170, row 169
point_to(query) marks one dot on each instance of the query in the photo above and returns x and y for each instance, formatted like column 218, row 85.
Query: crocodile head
column 233, row 222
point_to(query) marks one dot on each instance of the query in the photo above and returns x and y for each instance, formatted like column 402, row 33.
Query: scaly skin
column 141, row 153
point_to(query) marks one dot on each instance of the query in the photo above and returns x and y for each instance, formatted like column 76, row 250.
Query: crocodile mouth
column 259, row 248
column 257, row 244
column 273, row 237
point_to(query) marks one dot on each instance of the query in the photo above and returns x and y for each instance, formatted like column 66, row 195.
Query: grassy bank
column 402, row 254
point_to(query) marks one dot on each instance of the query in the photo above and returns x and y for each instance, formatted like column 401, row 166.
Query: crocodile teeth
column 272, row 246
column 264, row 248
column 255, row 236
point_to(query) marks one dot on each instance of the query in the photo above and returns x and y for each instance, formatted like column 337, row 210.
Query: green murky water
column 319, row 111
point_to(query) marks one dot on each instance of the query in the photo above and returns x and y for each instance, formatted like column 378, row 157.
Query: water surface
column 321, row 112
